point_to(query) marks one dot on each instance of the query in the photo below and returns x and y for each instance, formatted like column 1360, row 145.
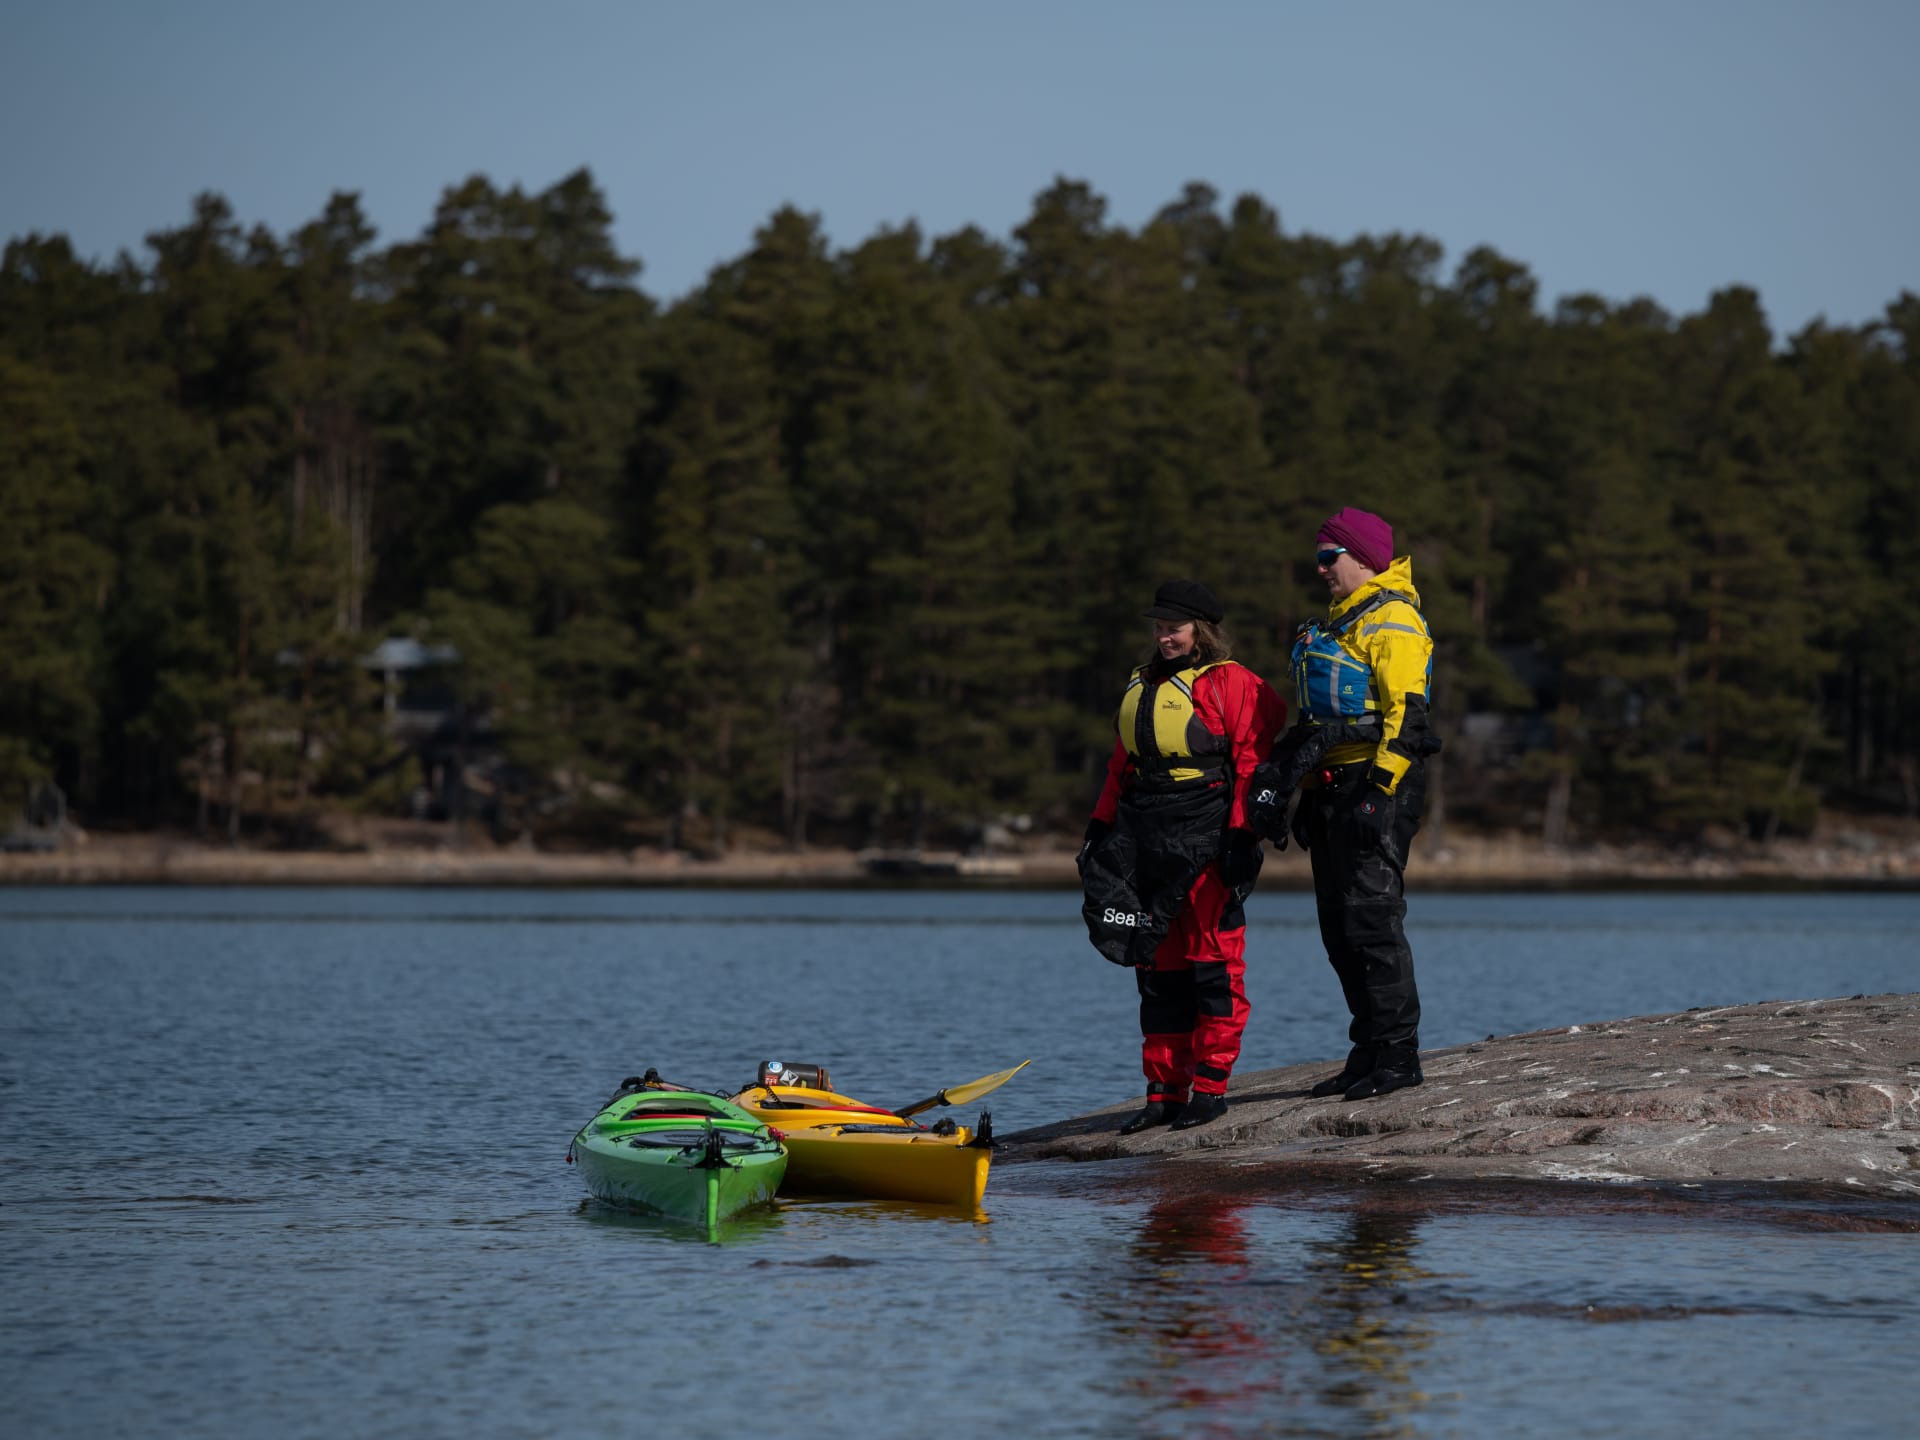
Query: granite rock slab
column 1799, row 1092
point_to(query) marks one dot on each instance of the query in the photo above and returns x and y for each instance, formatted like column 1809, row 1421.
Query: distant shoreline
column 1459, row 863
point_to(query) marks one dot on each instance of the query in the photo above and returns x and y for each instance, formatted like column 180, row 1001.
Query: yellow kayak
column 837, row 1145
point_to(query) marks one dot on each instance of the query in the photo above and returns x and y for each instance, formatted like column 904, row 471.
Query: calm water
column 292, row 1162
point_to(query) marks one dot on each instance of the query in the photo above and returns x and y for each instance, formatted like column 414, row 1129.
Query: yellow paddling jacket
column 1372, row 655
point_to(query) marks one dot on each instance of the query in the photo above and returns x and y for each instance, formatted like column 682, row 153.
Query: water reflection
column 884, row 1211
column 800, row 1218
column 1362, row 1324
column 1206, row 1340
column 748, row 1225
column 1236, row 1331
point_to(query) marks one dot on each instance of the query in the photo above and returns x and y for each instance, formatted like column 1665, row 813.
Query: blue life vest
column 1332, row 682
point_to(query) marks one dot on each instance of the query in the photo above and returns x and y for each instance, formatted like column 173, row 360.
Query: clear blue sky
column 1617, row 146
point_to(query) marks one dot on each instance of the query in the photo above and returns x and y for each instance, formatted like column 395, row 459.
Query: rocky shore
column 1779, row 1094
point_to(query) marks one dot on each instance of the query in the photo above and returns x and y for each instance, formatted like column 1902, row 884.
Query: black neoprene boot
column 1396, row 1071
column 1156, row 1112
column 1200, row 1109
column 1358, row 1065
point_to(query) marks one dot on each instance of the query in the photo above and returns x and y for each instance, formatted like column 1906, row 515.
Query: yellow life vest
column 1157, row 724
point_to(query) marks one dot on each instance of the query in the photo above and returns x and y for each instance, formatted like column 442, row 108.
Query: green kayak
column 677, row 1152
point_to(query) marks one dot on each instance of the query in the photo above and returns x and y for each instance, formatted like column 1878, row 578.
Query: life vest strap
column 1347, row 621
column 1213, row 764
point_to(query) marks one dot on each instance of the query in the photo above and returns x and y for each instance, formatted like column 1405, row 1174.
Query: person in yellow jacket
column 1364, row 676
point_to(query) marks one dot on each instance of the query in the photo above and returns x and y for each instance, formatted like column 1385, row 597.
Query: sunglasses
column 1327, row 557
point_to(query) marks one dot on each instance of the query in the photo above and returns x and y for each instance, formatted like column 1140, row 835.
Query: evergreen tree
column 944, row 662
column 536, row 611
column 1879, row 718
column 1069, row 400
column 863, row 538
column 1752, row 659
column 323, row 377
column 728, row 721
column 1607, row 571
column 53, row 579
column 514, row 356
column 1274, row 338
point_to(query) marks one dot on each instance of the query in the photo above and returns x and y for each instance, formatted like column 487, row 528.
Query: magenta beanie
column 1368, row 538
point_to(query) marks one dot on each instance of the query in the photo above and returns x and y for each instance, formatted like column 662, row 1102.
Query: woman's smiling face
column 1173, row 637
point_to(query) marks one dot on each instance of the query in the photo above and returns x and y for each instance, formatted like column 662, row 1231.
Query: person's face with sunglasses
column 1340, row 570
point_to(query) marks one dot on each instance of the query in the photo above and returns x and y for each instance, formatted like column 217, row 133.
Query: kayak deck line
column 775, row 1102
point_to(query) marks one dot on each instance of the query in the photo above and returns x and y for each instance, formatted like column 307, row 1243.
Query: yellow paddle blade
column 965, row 1094
column 962, row 1094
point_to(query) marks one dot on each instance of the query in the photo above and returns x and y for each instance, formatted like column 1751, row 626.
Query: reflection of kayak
column 692, row 1156
column 838, row 1146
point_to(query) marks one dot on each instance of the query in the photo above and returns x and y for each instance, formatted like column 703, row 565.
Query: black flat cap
column 1185, row 600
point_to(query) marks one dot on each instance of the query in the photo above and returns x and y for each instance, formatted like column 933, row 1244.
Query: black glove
column 1097, row 830
column 1371, row 813
column 1267, row 802
column 1240, row 860
column 1294, row 754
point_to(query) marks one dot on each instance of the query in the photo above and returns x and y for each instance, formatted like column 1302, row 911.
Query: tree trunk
column 1807, row 736
column 1862, row 728
column 1559, row 801
column 299, row 471
column 793, row 790
column 233, row 788
column 724, row 746
column 302, row 771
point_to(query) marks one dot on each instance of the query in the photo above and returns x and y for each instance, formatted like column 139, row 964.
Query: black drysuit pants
column 1359, row 873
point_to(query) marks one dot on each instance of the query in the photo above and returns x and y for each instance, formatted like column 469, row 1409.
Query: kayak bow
column 679, row 1153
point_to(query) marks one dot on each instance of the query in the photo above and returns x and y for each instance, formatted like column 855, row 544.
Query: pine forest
column 850, row 546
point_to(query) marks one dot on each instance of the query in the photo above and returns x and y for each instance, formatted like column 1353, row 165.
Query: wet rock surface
column 1782, row 1093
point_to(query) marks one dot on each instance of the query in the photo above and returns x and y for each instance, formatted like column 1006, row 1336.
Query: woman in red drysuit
column 1168, row 857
